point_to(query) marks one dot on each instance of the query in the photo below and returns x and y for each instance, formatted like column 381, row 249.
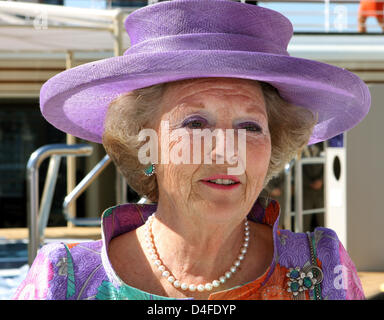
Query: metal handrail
column 47, row 197
column 80, row 188
column 32, row 175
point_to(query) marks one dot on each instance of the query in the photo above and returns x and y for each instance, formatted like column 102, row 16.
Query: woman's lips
column 222, row 176
column 221, row 186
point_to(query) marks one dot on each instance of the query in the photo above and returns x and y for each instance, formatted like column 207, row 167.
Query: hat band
column 207, row 41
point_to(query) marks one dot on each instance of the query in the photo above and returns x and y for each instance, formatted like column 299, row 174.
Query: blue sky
column 304, row 16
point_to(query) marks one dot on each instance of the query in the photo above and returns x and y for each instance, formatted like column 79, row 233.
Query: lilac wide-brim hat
column 184, row 39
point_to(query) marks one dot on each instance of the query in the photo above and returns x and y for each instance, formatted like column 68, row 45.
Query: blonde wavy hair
column 290, row 128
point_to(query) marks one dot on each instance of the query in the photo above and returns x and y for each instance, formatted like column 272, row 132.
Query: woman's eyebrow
column 199, row 105
column 182, row 109
column 253, row 109
column 256, row 111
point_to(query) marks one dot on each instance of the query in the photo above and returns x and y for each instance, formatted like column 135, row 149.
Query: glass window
column 22, row 130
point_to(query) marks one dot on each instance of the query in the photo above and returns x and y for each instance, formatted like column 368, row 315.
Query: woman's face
column 213, row 103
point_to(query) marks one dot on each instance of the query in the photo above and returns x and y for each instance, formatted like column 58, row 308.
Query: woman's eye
column 250, row 126
column 194, row 123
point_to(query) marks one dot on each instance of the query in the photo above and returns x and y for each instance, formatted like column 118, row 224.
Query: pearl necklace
column 191, row 287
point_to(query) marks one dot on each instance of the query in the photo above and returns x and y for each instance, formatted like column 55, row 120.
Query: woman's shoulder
column 340, row 280
column 63, row 271
column 322, row 239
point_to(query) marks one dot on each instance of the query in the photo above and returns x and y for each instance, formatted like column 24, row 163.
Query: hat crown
column 181, row 17
column 185, row 39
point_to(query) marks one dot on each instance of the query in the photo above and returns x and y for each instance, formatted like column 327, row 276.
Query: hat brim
column 76, row 100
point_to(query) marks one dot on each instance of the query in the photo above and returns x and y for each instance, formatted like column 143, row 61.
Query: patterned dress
column 82, row 271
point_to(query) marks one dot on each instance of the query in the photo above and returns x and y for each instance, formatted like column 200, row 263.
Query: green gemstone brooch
column 303, row 279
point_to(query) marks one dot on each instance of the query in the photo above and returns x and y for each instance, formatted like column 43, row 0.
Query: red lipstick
column 222, row 176
column 221, row 186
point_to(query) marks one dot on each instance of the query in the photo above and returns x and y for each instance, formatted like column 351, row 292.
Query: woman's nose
column 223, row 147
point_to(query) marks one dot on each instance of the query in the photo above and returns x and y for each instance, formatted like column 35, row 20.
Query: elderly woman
column 199, row 66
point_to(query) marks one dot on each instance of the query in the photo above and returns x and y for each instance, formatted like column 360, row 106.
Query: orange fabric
column 244, row 292
column 271, row 213
column 319, row 263
column 371, row 8
column 274, row 289
column 71, row 245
